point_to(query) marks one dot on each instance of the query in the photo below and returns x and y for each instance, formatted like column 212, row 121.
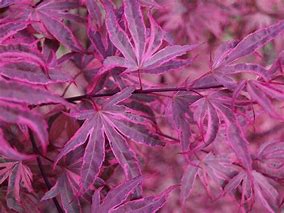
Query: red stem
column 145, row 91
column 42, row 172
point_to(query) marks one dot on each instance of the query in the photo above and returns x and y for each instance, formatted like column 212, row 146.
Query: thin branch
column 145, row 91
column 42, row 172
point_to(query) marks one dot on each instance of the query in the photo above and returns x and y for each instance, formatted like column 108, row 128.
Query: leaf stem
column 145, row 91
column 42, row 172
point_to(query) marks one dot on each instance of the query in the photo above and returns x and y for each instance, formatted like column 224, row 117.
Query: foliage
column 141, row 106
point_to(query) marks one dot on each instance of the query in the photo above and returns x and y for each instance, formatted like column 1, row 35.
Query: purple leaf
column 187, row 181
column 58, row 5
column 116, row 61
column 272, row 90
column 77, row 140
column 60, row 32
column 222, row 52
column 117, row 36
column 15, row 114
column 257, row 95
column 270, row 159
column 22, row 52
column 136, row 27
column 252, row 42
column 167, row 54
column 138, row 133
column 145, row 55
column 33, row 74
column 94, row 11
column 168, row 66
column 8, row 152
column 145, row 205
column 119, row 194
column 183, row 116
column 150, row 3
column 156, row 37
column 11, row 28
column 122, row 152
column 249, row 68
column 5, row 3
column 23, row 93
column 64, row 187
column 239, row 144
column 93, row 157
column 118, row 97
column 18, row 175
column 212, row 124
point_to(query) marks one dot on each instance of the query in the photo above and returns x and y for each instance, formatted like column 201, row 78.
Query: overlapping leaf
column 116, row 199
column 18, row 175
column 183, row 117
column 16, row 52
column 144, row 53
column 223, row 66
column 33, row 74
column 210, row 110
column 10, row 28
column 66, row 187
column 49, row 13
column 146, row 204
column 13, row 113
column 217, row 169
column 270, row 159
column 116, row 123
column 67, row 183
column 24, row 93
column 255, row 186
column 263, row 92
column 7, row 152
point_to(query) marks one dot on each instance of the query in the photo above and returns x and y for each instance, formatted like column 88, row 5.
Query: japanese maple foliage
column 141, row 106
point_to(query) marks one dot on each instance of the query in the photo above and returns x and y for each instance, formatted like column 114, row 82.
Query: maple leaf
column 181, row 18
column 263, row 92
column 235, row 50
column 10, row 28
column 146, row 204
column 6, row 3
column 18, row 174
column 16, row 171
column 116, row 122
column 21, row 52
column 26, row 63
column 269, row 159
column 67, row 183
column 48, row 13
column 9, row 153
column 116, row 199
column 15, row 20
column 212, row 168
column 145, row 55
column 183, row 116
column 24, row 93
column 115, row 196
column 32, row 74
column 13, row 113
column 210, row 109
column 95, row 14
column 277, row 67
column 223, row 66
column 254, row 186
column 150, row 3
column 234, row 131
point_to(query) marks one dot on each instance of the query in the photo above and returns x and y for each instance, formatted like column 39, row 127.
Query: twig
column 145, row 91
column 42, row 172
